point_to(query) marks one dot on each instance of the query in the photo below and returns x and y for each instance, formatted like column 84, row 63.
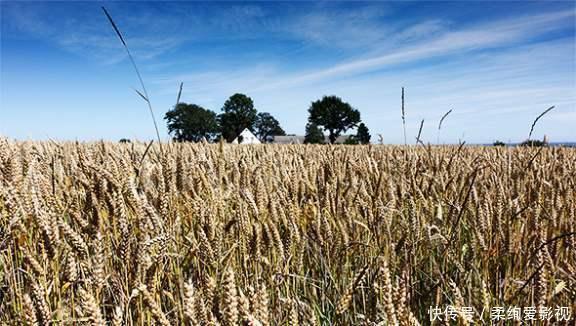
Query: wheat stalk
column 145, row 95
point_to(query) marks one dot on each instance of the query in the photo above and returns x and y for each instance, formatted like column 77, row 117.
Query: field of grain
column 125, row 234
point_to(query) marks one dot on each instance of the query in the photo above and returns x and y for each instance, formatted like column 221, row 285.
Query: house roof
column 246, row 137
column 294, row 139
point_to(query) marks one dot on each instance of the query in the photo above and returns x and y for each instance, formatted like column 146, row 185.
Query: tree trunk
column 332, row 137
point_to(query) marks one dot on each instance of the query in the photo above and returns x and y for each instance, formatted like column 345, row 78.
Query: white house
column 246, row 137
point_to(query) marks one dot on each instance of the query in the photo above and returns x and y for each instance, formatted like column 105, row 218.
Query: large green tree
column 266, row 127
column 190, row 122
column 334, row 115
column 237, row 114
column 362, row 134
column 314, row 134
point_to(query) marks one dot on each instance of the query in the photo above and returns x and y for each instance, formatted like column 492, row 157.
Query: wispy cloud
column 340, row 29
column 482, row 37
column 82, row 29
column 486, row 36
column 84, row 33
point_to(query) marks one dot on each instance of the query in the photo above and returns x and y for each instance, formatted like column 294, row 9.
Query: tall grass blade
column 147, row 98
column 141, row 95
column 115, row 27
column 420, row 133
column 443, row 117
column 538, row 118
column 179, row 93
column 403, row 117
column 440, row 124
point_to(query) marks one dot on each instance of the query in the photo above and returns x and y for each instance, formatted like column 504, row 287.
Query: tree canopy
column 362, row 134
column 266, row 127
column 238, row 113
column 314, row 134
column 190, row 122
column 534, row 143
column 334, row 115
column 352, row 140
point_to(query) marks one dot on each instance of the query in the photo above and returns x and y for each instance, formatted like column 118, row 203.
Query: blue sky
column 64, row 74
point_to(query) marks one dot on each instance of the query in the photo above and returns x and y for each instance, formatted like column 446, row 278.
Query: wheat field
column 212, row 234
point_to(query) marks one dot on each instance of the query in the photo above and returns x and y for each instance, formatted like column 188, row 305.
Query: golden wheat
column 204, row 234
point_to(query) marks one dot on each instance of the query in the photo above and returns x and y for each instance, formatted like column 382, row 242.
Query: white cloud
column 81, row 27
column 350, row 29
column 481, row 37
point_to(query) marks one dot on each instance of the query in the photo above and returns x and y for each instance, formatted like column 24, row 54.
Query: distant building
column 294, row 139
column 290, row 139
column 246, row 137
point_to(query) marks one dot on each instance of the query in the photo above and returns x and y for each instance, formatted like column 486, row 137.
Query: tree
column 266, row 127
column 498, row 143
column 352, row 140
column 362, row 134
column 314, row 134
column 238, row 114
column 333, row 115
column 190, row 122
column 534, row 143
